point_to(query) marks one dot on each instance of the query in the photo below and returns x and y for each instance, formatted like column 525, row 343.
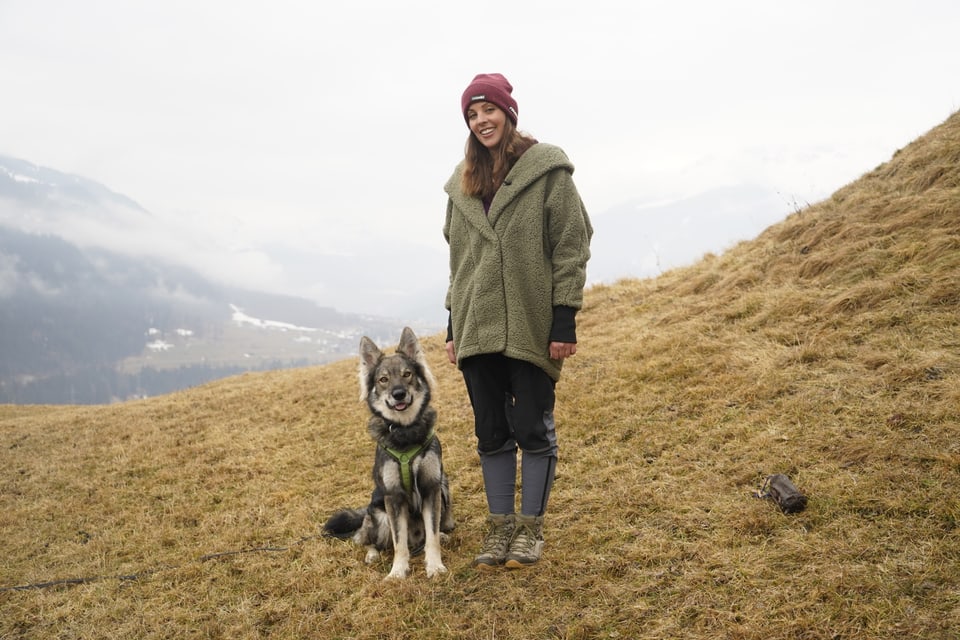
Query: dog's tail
column 344, row 523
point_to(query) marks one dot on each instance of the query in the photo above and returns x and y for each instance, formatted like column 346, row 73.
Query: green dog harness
column 405, row 458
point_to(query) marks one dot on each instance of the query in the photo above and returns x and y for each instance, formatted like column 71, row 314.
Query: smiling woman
column 519, row 241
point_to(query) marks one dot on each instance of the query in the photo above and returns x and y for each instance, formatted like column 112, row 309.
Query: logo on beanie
column 482, row 96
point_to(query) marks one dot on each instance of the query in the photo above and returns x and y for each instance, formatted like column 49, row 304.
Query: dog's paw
column 399, row 570
column 372, row 556
column 397, row 573
column 433, row 571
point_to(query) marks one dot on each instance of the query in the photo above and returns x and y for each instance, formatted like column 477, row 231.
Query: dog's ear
column 410, row 347
column 369, row 357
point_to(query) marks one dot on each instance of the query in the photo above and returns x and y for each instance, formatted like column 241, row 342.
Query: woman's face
column 487, row 122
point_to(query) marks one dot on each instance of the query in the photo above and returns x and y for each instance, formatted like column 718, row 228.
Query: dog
column 410, row 506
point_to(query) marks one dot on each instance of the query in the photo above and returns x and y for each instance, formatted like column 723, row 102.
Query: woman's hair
column 478, row 177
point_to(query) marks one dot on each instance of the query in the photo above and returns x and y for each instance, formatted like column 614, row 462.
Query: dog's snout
column 398, row 393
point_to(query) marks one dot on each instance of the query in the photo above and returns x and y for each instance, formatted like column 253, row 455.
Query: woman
column 519, row 241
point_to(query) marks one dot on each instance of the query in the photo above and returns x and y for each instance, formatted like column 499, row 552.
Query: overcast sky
column 330, row 127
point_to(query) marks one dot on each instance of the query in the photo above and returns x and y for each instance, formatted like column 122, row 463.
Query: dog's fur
column 397, row 390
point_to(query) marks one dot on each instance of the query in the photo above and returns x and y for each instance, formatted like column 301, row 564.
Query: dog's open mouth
column 400, row 406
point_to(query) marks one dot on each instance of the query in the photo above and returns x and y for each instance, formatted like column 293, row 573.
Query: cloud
column 9, row 276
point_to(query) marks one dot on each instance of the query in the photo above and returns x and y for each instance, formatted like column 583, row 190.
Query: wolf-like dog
column 411, row 504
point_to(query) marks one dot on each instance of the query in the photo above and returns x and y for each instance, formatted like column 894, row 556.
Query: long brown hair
column 479, row 179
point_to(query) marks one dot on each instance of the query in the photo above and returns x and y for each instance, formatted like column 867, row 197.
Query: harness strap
column 405, row 458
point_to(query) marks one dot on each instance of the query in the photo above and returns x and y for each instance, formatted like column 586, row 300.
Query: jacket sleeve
column 446, row 236
column 568, row 236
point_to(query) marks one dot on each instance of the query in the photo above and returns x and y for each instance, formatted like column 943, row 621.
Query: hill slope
column 828, row 348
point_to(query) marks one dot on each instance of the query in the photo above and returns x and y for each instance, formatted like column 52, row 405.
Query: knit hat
column 490, row 87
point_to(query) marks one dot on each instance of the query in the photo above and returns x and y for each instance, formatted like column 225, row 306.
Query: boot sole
column 516, row 564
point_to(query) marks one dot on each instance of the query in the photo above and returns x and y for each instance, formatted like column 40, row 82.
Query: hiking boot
column 527, row 543
column 495, row 545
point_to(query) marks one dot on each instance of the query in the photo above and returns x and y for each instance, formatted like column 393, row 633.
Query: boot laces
column 524, row 536
column 497, row 538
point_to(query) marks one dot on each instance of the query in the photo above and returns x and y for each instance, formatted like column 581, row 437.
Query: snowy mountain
column 81, row 323
column 35, row 187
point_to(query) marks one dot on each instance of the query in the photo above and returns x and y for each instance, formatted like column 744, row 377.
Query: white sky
column 330, row 127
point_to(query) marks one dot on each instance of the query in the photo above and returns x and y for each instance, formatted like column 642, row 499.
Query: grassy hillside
column 828, row 348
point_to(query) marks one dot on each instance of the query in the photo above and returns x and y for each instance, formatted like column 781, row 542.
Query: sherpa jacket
column 510, row 267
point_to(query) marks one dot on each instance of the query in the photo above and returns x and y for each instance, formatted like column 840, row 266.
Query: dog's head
column 397, row 386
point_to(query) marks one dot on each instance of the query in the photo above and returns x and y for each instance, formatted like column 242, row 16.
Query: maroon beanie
column 490, row 87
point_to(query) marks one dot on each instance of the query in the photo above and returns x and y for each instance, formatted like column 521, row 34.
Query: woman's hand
column 561, row 350
column 451, row 353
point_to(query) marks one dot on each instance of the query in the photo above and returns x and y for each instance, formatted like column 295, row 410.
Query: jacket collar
column 538, row 160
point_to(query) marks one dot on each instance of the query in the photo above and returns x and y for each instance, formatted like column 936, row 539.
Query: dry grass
column 828, row 349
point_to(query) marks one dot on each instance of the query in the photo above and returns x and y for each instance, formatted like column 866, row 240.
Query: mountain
column 90, row 215
column 34, row 187
column 91, row 326
column 80, row 323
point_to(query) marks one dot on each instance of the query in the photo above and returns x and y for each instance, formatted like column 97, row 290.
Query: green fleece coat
column 511, row 266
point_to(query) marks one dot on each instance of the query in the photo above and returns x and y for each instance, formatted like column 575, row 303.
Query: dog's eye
column 407, row 374
column 383, row 379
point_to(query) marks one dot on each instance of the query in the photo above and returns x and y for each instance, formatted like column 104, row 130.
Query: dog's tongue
column 400, row 406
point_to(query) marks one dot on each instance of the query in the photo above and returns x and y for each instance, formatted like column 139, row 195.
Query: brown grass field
column 827, row 348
